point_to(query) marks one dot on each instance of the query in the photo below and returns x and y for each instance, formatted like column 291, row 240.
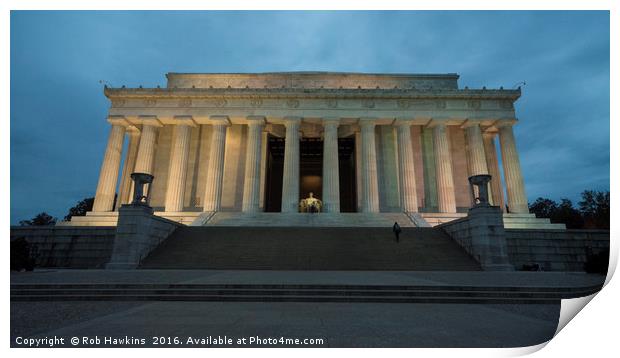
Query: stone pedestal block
column 138, row 232
column 488, row 239
column 482, row 235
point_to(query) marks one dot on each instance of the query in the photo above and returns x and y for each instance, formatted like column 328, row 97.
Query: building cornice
column 336, row 93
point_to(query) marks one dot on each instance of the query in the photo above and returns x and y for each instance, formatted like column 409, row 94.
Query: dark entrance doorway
column 310, row 171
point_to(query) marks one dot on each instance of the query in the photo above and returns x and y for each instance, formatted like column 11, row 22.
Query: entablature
column 313, row 103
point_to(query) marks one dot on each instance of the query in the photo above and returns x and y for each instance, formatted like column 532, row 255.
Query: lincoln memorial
column 241, row 148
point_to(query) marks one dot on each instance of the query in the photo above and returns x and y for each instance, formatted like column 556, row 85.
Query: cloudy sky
column 58, row 127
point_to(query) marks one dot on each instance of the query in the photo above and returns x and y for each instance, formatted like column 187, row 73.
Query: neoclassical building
column 374, row 144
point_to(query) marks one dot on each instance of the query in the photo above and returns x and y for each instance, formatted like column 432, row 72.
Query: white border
column 591, row 333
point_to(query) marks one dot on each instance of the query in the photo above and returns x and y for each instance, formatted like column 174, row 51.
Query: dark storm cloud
column 58, row 128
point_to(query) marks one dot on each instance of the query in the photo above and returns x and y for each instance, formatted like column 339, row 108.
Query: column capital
column 132, row 130
column 184, row 120
column 489, row 134
column 435, row 122
column 471, row 123
column 368, row 122
column 502, row 123
column 256, row 120
column 219, row 121
column 330, row 121
column 292, row 121
column 118, row 121
column 150, row 121
column 399, row 122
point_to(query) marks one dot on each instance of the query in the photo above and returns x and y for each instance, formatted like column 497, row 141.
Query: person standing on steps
column 396, row 230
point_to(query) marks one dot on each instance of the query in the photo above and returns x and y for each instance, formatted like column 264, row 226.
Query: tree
column 83, row 206
column 42, row 219
column 567, row 214
column 543, row 207
column 594, row 207
column 80, row 208
column 563, row 213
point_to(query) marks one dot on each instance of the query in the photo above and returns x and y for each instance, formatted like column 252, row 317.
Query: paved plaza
column 338, row 324
column 331, row 324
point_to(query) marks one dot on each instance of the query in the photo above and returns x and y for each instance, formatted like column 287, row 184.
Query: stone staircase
column 309, row 248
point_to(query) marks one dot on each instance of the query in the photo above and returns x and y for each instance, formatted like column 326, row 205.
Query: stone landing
column 110, row 218
column 511, row 220
column 304, row 219
column 195, row 218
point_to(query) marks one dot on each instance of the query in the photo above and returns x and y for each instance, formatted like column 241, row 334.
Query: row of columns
column 480, row 149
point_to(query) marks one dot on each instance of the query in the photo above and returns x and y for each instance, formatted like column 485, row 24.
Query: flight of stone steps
column 297, row 293
column 511, row 220
column 309, row 248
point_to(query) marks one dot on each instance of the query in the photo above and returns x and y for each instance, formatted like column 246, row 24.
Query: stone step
column 296, row 293
column 19, row 287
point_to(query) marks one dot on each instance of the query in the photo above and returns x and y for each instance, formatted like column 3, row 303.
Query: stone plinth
column 138, row 232
column 482, row 235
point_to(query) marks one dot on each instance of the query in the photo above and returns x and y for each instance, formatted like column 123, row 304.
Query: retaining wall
column 554, row 250
column 66, row 246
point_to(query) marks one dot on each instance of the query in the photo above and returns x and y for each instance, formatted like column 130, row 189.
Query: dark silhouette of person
column 396, row 229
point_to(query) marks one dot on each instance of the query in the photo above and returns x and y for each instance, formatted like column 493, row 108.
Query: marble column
column 443, row 169
column 215, row 168
column 358, row 170
column 146, row 150
column 251, row 183
column 126, row 187
column 497, row 194
column 406, row 169
column 108, row 175
column 515, row 190
column 476, row 157
column 263, row 169
column 370, row 186
column 177, row 171
column 331, row 174
column 290, row 178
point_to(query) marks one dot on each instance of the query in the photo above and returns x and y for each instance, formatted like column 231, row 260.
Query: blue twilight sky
column 58, row 127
